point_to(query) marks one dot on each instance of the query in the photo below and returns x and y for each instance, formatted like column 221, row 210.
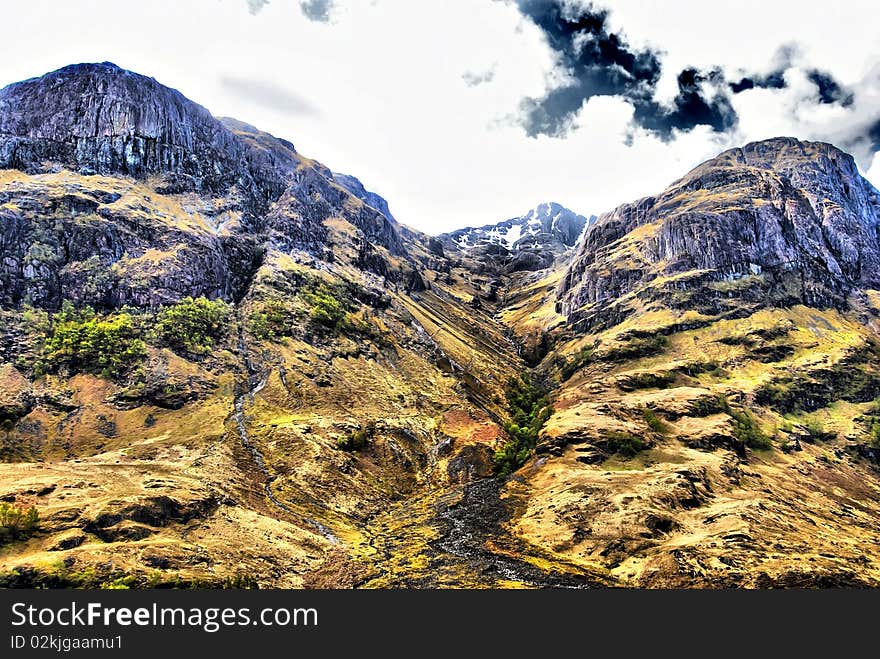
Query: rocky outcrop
column 98, row 118
column 106, row 248
column 16, row 398
column 355, row 187
column 773, row 222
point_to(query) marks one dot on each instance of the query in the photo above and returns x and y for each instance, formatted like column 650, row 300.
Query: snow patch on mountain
column 547, row 225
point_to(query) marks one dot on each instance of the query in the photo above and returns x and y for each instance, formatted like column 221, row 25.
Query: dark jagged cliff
column 779, row 222
column 102, row 119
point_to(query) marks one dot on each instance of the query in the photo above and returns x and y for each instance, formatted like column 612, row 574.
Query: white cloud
column 794, row 111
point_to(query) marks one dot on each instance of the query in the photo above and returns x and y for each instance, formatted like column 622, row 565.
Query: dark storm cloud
column 701, row 101
column 782, row 61
column 256, row 6
column 774, row 80
column 593, row 60
column 830, row 91
column 874, row 136
column 599, row 62
column 268, row 94
column 317, row 10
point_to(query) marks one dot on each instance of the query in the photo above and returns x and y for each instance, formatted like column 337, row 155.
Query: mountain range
column 223, row 364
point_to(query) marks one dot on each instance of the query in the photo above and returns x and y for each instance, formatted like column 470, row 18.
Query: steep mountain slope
column 357, row 188
column 223, row 364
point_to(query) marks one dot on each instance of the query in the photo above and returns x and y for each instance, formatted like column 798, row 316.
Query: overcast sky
column 465, row 112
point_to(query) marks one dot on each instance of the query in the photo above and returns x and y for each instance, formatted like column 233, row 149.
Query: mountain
column 529, row 242
column 222, row 364
column 716, row 379
column 81, row 130
column 780, row 222
column 228, row 358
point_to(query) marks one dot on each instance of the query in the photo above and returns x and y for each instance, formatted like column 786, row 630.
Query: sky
column 468, row 112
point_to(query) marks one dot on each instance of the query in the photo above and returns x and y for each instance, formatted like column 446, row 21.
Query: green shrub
column 696, row 368
column 580, row 359
column 102, row 346
column 706, row 406
column 17, row 523
column 636, row 347
column 654, row 422
column 623, row 443
column 119, row 583
column 193, row 325
column 871, row 420
column 327, row 308
column 70, row 313
column 647, row 381
column 817, row 432
column 270, row 319
column 745, row 426
column 351, row 324
column 529, row 408
column 240, row 581
column 875, row 434
column 37, row 320
column 781, row 394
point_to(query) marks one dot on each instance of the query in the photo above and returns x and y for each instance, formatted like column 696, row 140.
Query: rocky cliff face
column 776, row 222
column 98, row 118
column 109, row 242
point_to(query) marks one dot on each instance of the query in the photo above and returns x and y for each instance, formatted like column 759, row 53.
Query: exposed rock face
column 108, row 244
column 16, row 398
column 272, row 160
column 100, row 118
column 781, row 221
column 308, row 194
column 530, row 242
